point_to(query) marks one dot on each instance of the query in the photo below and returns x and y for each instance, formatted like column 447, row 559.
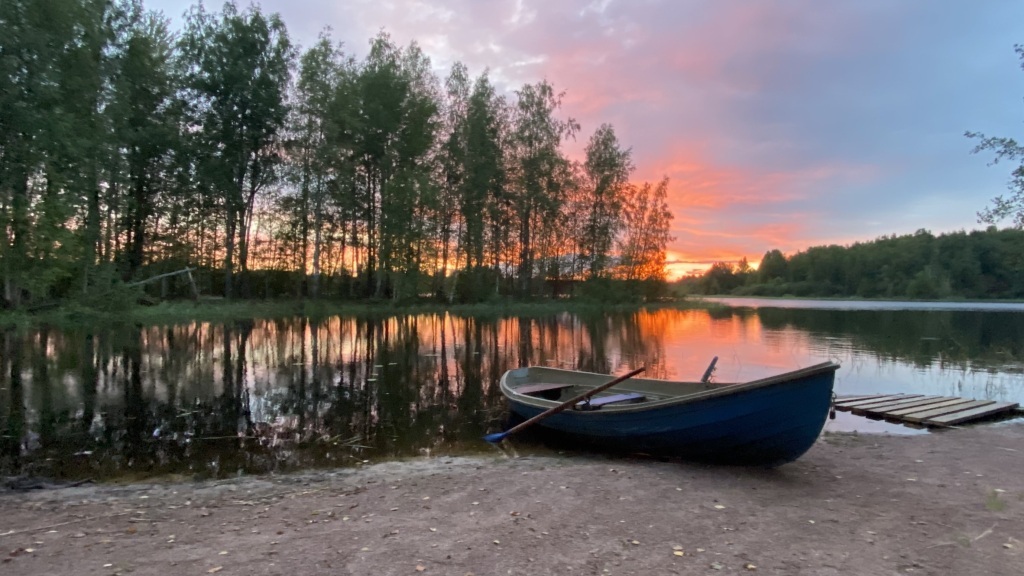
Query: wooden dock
column 922, row 410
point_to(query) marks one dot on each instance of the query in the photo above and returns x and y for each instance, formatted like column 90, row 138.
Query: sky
column 780, row 123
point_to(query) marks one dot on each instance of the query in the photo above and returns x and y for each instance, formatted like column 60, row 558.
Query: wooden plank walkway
column 921, row 410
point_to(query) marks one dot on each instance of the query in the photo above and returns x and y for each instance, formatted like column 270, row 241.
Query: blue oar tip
column 495, row 438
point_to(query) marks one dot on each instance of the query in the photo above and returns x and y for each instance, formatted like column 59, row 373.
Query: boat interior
column 562, row 391
column 557, row 385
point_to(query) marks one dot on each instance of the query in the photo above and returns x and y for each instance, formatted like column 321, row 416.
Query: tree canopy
column 977, row 265
column 127, row 151
column 1005, row 149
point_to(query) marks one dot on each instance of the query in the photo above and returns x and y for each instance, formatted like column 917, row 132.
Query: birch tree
column 646, row 232
column 237, row 67
column 536, row 139
column 606, row 175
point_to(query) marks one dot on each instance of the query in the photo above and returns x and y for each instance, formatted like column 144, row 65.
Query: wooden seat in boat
column 595, row 403
column 541, row 387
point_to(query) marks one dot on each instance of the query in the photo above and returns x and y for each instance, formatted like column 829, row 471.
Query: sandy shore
column 947, row 503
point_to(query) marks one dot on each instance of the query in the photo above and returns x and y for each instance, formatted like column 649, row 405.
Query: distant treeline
column 127, row 151
column 977, row 264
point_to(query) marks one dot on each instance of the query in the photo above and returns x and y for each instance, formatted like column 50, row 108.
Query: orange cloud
column 725, row 213
column 664, row 94
column 670, row 81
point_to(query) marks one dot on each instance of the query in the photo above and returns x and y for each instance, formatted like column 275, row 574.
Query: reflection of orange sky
column 351, row 374
column 434, row 361
column 353, row 352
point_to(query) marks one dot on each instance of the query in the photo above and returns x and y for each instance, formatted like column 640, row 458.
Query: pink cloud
column 673, row 78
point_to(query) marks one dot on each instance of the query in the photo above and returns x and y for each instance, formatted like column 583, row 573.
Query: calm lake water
column 215, row 399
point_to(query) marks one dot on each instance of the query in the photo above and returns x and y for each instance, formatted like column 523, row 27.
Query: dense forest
column 978, row 264
column 128, row 150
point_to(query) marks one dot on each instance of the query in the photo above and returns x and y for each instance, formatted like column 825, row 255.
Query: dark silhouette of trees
column 976, row 265
column 126, row 153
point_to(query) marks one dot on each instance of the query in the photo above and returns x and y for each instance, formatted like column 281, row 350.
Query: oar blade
column 495, row 437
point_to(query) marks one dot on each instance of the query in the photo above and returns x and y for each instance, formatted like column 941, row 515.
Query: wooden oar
column 499, row 436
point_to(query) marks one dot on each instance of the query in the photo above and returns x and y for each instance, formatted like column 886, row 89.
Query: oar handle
column 711, row 370
column 568, row 403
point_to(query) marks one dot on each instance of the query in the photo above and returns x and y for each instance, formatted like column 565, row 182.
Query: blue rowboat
column 764, row 422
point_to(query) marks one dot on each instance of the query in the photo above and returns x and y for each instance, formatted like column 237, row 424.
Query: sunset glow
column 780, row 124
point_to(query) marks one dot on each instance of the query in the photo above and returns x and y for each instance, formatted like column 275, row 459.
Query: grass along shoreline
column 171, row 312
column 74, row 314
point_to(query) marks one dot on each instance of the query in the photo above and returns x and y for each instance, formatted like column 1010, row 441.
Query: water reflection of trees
column 218, row 399
column 977, row 340
column 215, row 399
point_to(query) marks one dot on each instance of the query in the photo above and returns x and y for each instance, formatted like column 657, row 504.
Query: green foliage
column 539, row 188
column 773, row 266
column 236, row 69
column 128, row 152
column 109, row 295
column 484, row 194
column 144, row 121
column 975, row 265
column 60, row 68
column 720, row 279
column 606, row 290
column 475, row 285
column 316, row 145
column 606, row 177
column 1008, row 149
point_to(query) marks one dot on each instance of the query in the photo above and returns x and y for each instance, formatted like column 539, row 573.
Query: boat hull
column 757, row 424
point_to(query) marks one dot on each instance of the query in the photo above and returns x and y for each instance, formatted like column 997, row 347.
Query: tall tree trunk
column 445, row 234
column 245, row 229
column 234, row 205
column 304, row 228
column 110, row 245
column 137, row 230
column 525, row 253
column 229, row 249
column 496, row 236
column 317, row 239
column 371, row 223
column 17, row 259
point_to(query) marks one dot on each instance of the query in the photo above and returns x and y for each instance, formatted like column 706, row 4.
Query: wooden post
column 192, row 282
